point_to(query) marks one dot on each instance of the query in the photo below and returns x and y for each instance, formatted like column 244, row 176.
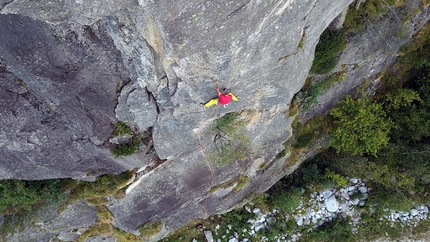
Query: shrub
column 315, row 88
column 362, row 126
column 232, row 142
column 286, row 199
column 337, row 230
column 20, row 195
column 103, row 186
column 148, row 230
column 127, row 148
column 330, row 44
column 242, row 181
column 339, row 179
column 121, row 128
column 391, row 199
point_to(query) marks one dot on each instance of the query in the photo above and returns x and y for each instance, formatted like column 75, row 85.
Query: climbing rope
column 207, row 161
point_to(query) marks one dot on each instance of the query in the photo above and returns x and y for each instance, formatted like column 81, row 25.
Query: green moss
column 127, row 149
column 330, row 44
column 242, row 181
column 103, row 186
column 17, row 196
column 285, row 198
column 121, row 128
column 232, row 142
column 315, row 87
column 148, row 230
column 356, row 19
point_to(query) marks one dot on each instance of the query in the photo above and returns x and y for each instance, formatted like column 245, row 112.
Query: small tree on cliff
column 361, row 126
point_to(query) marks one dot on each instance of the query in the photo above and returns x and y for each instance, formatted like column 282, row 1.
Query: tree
column 361, row 126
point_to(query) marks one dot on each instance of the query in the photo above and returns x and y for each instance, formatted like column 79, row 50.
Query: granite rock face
column 70, row 69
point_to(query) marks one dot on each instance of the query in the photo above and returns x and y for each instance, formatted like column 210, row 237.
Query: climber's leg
column 211, row 102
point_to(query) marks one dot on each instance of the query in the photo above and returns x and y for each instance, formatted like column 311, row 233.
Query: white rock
column 345, row 196
column 331, row 204
column 314, row 220
column 361, row 203
column 233, row 239
column 247, row 209
column 258, row 226
column 351, row 188
column 362, row 189
column 354, row 180
column 355, row 202
column 208, row 235
column 299, row 221
column 270, row 220
column 414, row 212
column 194, row 240
column 256, row 210
column 327, row 193
column 396, row 216
column 307, row 221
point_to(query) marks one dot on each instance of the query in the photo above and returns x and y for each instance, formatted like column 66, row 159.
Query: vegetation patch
column 121, row 129
column 242, row 181
column 330, row 44
column 361, row 126
column 285, row 198
column 337, row 230
column 128, row 148
column 232, row 142
column 357, row 18
column 17, row 196
column 103, row 186
column 238, row 184
column 315, row 88
column 148, row 230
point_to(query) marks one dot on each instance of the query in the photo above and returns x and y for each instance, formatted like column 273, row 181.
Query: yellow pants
column 214, row 101
column 211, row 102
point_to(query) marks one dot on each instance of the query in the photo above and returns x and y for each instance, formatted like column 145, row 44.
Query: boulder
column 331, row 204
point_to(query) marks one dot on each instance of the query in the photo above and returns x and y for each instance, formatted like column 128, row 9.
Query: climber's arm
column 217, row 89
column 234, row 97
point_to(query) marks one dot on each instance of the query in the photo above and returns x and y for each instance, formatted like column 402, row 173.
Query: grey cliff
column 71, row 69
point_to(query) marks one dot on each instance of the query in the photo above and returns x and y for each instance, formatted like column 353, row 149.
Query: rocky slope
column 70, row 69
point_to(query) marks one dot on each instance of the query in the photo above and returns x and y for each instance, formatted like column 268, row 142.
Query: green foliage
column 276, row 229
column 417, row 124
column 330, row 44
column 121, row 128
column 20, row 195
column 401, row 98
column 356, row 19
column 362, row 126
column 284, row 198
column 391, row 199
column 337, row 230
column 304, row 140
column 339, row 179
column 148, row 230
column 232, row 142
column 242, row 181
column 127, row 148
column 237, row 219
column 317, row 87
column 102, row 187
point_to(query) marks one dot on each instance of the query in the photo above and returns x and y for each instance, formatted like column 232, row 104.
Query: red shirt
column 224, row 99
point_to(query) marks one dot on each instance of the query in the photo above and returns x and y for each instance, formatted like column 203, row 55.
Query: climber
column 223, row 98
